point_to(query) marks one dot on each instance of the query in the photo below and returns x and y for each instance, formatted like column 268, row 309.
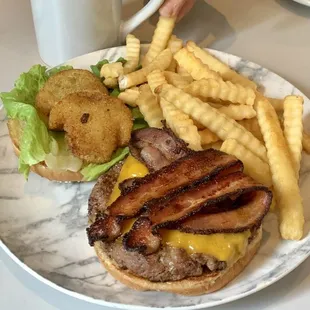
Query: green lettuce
column 138, row 119
column 97, row 67
column 93, row 171
column 115, row 92
column 19, row 105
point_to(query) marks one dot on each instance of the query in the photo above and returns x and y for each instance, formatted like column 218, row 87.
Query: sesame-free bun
column 204, row 284
column 41, row 169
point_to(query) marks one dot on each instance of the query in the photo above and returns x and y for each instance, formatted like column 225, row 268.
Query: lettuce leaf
column 19, row 105
column 97, row 67
column 93, row 171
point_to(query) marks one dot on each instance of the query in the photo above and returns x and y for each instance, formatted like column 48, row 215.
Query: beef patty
column 168, row 264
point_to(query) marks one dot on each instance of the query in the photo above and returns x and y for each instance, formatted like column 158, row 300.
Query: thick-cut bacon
column 144, row 237
column 183, row 173
column 250, row 214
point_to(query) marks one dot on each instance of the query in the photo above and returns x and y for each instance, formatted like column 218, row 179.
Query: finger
column 185, row 9
column 172, row 8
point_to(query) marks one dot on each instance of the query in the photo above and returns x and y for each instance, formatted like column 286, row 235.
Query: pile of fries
column 207, row 104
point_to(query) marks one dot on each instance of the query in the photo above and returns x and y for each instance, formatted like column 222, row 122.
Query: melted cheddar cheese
column 224, row 247
column 132, row 168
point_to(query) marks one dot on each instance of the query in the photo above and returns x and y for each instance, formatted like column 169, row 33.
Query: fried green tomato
column 95, row 124
column 64, row 83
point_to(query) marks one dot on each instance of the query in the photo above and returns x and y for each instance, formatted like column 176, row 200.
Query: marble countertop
column 273, row 33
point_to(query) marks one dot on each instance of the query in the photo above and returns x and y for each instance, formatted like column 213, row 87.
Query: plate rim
column 303, row 2
column 115, row 305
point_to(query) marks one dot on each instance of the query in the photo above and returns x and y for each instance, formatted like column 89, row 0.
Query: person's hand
column 176, row 8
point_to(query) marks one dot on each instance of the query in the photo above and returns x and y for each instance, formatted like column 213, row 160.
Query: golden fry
column 194, row 66
column 155, row 79
column 286, row 189
column 223, row 126
column 226, row 91
column 160, row 39
column 177, row 80
column 216, row 145
column 132, row 53
column 252, row 126
column 161, row 62
column 174, row 44
column 238, row 112
column 110, row 82
column 130, row 96
column 182, row 72
column 149, row 107
column 181, row 125
column 253, row 165
column 293, row 128
column 112, row 70
column 306, row 142
column 207, row 136
column 215, row 64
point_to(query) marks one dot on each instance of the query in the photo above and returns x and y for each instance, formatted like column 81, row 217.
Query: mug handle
column 133, row 22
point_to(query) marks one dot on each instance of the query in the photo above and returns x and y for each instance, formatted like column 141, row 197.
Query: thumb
column 171, row 8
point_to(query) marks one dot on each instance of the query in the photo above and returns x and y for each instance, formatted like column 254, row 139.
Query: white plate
column 42, row 224
column 304, row 2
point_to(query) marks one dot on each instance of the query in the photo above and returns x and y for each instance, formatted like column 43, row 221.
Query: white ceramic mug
column 69, row 28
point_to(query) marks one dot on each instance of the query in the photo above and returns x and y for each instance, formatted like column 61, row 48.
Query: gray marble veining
column 43, row 223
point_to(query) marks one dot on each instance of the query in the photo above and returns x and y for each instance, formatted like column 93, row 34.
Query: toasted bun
column 192, row 286
column 41, row 169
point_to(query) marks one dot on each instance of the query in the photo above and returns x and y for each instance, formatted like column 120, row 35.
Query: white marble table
column 273, row 33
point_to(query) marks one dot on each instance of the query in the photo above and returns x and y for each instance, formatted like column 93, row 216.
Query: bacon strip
column 144, row 237
column 250, row 214
column 181, row 174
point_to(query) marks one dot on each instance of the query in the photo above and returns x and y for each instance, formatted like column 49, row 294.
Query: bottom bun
column 62, row 176
column 41, row 169
column 204, row 284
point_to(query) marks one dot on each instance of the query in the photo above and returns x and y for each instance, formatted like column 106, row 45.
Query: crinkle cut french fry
column 215, row 64
column 253, row 165
column 132, row 53
column 160, row 38
column 112, row 70
column 177, row 80
column 174, row 44
column 194, row 66
column 149, row 107
column 285, row 184
column 306, row 142
column 207, row 136
column 252, row 126
column 182, row 72
column 161, row 62
column 226, row 91
column 216, row 145
column 238, row 112
column 293, row 128
column 130, row 96
column 155, row 79
column 110, row 82
column 223, row 126
column 181, row 125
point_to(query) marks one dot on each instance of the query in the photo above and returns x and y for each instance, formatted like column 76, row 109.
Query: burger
column 171, row 219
